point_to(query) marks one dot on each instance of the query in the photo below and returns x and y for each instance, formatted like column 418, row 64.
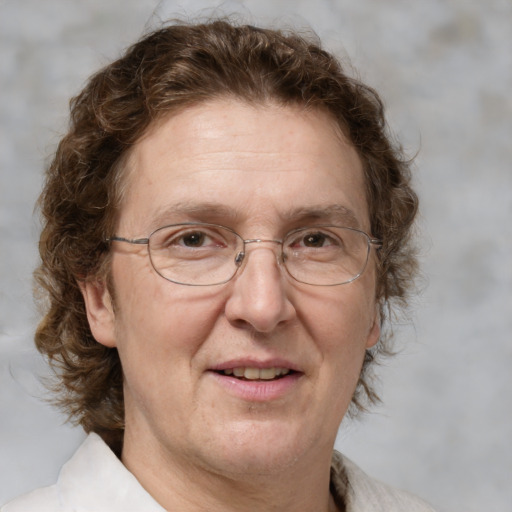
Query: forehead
column 226, row 158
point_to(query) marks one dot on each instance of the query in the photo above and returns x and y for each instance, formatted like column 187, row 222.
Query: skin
column 192, row 442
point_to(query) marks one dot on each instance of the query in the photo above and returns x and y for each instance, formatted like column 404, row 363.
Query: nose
column 258, row 297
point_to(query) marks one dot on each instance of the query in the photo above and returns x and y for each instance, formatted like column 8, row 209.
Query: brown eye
column 314, row 240
column 195, row 239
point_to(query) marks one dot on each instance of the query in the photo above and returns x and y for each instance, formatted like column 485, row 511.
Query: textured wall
column 444, row 69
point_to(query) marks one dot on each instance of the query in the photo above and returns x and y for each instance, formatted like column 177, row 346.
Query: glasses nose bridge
column 262, row 240
column 240, row 258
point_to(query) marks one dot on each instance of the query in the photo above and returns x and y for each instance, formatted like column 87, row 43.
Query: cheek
column 160, row 328
column 340, row 321
column 156, row 317
column 339, row 313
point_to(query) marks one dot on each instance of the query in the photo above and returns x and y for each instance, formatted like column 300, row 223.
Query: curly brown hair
column 170, row 69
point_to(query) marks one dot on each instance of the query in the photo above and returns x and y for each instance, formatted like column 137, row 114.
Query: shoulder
column 41, row 500
column 361, row 493
column 95, row 480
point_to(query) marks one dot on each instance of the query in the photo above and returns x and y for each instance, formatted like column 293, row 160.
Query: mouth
column 254, row 374
column 253, row 380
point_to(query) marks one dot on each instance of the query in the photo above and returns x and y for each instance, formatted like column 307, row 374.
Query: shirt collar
column 95, row 479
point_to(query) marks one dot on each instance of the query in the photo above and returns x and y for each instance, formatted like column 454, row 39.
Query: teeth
column 252, row 373
column 257, row 373
column 266, row 373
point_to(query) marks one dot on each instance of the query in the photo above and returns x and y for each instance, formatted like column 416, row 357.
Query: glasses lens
column 195, row 254
column 326, row 255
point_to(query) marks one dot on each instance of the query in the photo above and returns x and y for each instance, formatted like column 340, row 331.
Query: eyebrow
column 217, row 213
column 332, row 214
column 186, row 211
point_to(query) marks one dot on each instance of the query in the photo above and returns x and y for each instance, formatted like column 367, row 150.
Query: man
column 226, row 224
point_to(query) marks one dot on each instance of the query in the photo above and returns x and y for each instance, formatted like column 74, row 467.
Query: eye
column 197, row 239
column 314, row 239
column 194, row 239
column 188, row 238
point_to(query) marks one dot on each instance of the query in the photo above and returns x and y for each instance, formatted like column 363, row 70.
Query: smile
column 258, row 381
column 252, row 373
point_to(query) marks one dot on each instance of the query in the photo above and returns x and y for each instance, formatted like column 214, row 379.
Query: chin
column 266, row 448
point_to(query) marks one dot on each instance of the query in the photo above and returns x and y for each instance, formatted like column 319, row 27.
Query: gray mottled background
column 444, row 69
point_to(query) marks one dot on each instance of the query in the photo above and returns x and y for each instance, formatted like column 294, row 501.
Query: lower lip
column 258, row 390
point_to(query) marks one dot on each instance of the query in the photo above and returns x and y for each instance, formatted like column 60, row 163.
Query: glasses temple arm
column 140, row 241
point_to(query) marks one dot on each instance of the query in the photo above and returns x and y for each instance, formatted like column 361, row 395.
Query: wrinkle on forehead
column 198, row 149
column 206, row 130
column 210, row 129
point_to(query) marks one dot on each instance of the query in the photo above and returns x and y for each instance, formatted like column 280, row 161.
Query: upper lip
column 246, row 362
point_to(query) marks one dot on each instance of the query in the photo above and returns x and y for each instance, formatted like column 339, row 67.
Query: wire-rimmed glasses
column 202, row 254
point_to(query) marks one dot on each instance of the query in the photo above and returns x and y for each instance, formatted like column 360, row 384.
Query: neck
column 176, row 483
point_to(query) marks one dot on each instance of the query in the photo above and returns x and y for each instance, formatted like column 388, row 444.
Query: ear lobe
column 374, row 332
column 100, row 311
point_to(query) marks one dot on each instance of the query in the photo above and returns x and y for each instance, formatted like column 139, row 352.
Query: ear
column 374, row 332
column 100, row 311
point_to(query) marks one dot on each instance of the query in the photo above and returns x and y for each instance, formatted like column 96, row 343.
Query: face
column 261, row 171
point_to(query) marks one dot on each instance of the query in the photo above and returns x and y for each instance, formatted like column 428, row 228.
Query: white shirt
column 95, row 480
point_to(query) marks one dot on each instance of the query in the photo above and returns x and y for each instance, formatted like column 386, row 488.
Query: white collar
column 95, row 479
